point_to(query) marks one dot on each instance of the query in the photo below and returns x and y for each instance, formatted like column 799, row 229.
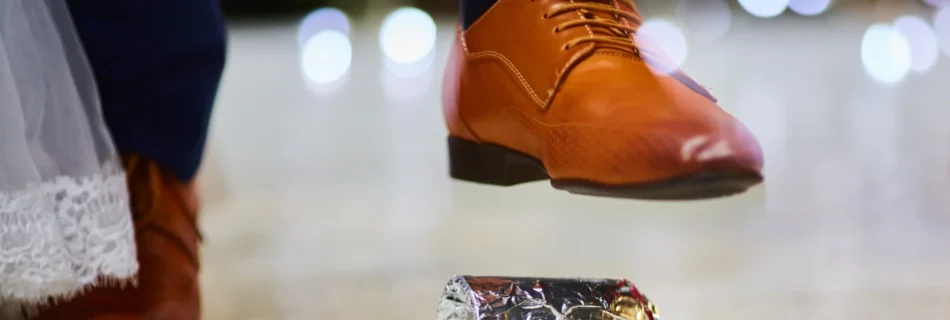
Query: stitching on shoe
column 589, row 30
column 460, row 36
column 511, row 65
column 494, row 54
column 618, row 54
column 514, row 69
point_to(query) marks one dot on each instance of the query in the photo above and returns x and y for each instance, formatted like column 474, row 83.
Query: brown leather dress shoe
column 560, row 90
column 167, row 239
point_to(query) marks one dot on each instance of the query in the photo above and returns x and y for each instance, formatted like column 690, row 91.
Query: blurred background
column 327, row 197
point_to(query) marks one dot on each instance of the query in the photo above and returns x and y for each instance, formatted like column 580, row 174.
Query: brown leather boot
column 167, row 238
column 560, row 90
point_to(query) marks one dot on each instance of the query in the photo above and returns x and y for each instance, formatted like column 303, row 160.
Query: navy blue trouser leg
column 157, row 66
column 471, row 10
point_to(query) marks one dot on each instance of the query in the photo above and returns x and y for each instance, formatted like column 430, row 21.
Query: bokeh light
column 704, row 20
column 885, row 54
column 408, row 84
column 663, row 44
column 942, row 28
column 321, row 20
column 407, row 35
column 326, row 57
column 764, row 8
column 923, row 42
column 809, row 7
column 937, row 3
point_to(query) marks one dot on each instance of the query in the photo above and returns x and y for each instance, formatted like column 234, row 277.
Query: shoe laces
column 611, row 27
column 616, row 26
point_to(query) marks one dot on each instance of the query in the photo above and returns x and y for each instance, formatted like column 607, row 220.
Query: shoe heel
column 491, row 164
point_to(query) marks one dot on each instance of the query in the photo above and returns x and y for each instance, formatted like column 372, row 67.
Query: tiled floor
column 337, row 205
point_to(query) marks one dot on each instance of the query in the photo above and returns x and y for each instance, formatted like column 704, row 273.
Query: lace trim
column 62, row 236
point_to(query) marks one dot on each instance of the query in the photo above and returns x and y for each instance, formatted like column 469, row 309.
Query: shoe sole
column 496, row 165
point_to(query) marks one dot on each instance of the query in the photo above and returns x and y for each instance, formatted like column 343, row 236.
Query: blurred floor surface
column 337, row 205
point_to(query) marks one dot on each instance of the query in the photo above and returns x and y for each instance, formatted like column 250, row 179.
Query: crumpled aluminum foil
column 506, row 298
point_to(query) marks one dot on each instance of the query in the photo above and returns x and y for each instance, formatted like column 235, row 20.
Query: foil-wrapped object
column 505, row 298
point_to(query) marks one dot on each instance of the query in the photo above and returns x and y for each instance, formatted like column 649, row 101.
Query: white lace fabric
column 65, row 221
column 62, row 236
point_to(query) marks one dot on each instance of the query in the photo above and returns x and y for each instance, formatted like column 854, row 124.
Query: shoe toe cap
column 649, row 152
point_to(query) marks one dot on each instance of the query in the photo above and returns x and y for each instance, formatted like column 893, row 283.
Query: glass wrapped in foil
column 504, row 298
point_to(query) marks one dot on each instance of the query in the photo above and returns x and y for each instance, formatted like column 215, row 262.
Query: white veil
column 64, row 208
